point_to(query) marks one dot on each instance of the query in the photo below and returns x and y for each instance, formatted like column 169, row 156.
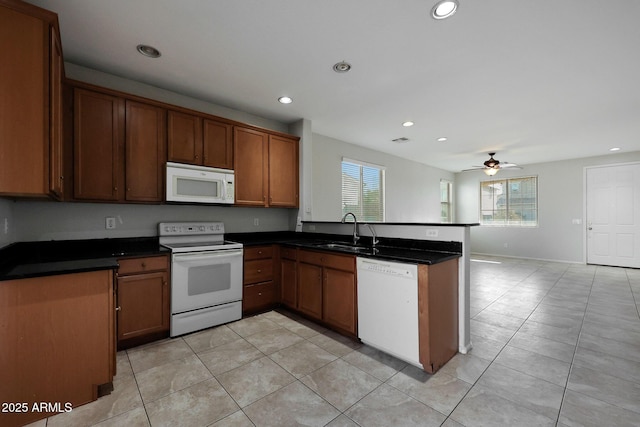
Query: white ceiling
column 533, row 80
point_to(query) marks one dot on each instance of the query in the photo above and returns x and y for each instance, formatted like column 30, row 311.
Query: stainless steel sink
column 345, row 247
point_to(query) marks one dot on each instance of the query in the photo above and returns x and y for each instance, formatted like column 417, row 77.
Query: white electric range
column 206, row 275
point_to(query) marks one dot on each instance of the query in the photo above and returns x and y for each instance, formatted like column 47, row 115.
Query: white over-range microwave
column 199, row 184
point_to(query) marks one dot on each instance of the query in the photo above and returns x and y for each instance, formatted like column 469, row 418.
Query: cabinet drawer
column 325, row 259
column 259, row 270
column 258, row 252
column 288, row 253
column 258, row 296
column 142, row 265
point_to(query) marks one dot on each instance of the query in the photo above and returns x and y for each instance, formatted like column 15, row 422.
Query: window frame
column 448, row 202
column 508, row 186
column 382, row 179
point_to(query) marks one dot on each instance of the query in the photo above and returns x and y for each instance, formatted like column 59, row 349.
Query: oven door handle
column 201, row 256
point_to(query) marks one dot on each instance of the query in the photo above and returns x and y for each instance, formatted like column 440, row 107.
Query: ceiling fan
column 492, row 166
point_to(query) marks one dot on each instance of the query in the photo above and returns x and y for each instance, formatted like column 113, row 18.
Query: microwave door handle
column 223, row 192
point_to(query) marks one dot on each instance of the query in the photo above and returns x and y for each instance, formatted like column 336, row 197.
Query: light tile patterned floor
column 554, row 344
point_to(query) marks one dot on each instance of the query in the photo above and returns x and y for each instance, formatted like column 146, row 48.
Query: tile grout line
column 575, row 350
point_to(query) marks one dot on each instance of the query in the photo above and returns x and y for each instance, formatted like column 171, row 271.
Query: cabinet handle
column 259, row 271
column 144, row 265
column 115, row 188
column 197, row 157
column 259, row 294
column 118, row 308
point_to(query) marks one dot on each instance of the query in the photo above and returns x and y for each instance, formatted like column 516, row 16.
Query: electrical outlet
column 256, row 222
column 110, row 223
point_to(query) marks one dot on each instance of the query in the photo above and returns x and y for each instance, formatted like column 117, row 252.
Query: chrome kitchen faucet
column 355, row 226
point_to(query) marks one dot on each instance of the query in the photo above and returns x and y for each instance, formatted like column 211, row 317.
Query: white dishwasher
column 388, row 307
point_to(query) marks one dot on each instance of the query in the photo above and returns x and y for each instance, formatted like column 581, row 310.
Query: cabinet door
column 56, row 183
column 250, row 164
column 310, row 289
column 217, row 144
column 283, row 171
column 339, row 293
column 143, row 301
column 24, row 122
column 98, row 136
column 184, row 137
column 145, row 152
column 288, row 282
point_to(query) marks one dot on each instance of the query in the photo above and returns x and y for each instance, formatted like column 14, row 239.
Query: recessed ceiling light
column 444, row 9
column 341, row 67
column 285, row 100
column 442, row 139
column 614, row 149
column 408, row 123
column 149, row 51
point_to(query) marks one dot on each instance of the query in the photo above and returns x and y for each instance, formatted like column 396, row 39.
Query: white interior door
column 613, row 215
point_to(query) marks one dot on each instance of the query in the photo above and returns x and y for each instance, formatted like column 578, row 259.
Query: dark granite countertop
column 32, row 259
column 392, row 249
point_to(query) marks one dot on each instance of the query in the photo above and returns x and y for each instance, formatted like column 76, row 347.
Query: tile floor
column 554, row 344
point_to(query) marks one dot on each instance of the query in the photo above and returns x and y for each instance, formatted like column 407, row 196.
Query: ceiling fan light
column 490, row 171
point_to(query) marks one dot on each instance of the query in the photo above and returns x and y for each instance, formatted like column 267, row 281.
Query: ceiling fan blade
column 510, row 165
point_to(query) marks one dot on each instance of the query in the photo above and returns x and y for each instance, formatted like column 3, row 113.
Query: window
column 446, row 201
column 509, row 202
column 363, row 190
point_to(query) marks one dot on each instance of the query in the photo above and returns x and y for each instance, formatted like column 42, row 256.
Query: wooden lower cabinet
column 288, row 277
column 259, row 289
column 143, row 300
column 437, row 313
column 326, row 289
column 339, row 296
column 57, row 341
column 310, row 290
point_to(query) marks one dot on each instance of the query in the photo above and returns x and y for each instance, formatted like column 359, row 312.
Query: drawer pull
column 259, row 271
column 259, row 294
column 144, row 265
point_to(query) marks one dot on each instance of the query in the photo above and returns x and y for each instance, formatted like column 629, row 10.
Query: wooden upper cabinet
column 250, row 148
column 283, row 171
column 56, row 166
column 266, row 168
column 198, row 141
column 217, row 140
column 27, row 110
column 98, row 136
column 145, row 149
column 184, row 138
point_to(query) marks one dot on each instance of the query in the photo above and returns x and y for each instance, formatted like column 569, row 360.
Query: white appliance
column 199, row 184
column 388, row 307
column 206, row 275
